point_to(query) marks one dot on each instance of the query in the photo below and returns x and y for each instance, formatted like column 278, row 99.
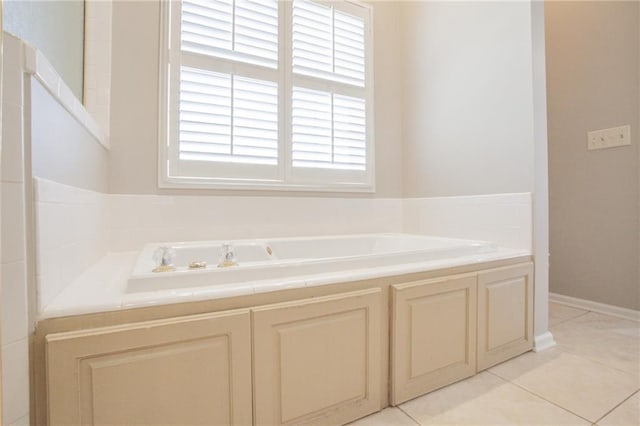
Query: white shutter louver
column 312, row 38
column 311, row 128
column 349, row 132
column 226, row 118
column 349, row 47
column 327, row 43
column 244, row 30
column 328, row 130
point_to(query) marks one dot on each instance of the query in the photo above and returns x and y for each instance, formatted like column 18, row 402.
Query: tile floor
column 592, row 377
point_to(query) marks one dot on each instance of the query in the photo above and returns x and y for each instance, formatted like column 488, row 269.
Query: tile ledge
column 37, row 65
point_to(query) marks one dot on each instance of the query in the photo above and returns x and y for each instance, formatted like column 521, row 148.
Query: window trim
column 306, row 179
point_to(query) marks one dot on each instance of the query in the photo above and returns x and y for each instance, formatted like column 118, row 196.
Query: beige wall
column 134, row 97
column 56, row 28
column 468, row 125
column 593, row 82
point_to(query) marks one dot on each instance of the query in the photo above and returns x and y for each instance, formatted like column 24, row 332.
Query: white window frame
column 251, row 177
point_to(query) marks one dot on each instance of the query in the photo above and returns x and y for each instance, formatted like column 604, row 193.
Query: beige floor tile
column 582, row 386
column 612, row 341
column 386, row 417
column 486, row 400
column 627, row 414
column 559, row 313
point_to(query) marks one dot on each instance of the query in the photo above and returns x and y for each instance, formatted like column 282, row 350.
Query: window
column 266, row 94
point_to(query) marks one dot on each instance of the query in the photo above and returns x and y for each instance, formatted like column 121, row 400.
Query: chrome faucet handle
column 227, row 256
column 163, row 257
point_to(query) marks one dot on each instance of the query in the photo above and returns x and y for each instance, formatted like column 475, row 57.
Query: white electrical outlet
column 608, row 138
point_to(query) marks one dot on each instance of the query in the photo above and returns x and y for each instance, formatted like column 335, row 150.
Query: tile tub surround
column 555, row 387
column 114, row 223
column 15, row 299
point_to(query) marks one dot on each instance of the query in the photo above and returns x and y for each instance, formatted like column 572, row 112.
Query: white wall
column 468, row 111
column 134, row 101
column 62, row 149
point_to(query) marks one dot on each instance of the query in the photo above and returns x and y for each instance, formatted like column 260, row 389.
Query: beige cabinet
column 505, row 313
column 317, row 360
column 189, row 370
column 433, row 334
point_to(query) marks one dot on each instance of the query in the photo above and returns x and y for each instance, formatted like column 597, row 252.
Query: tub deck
column 290, row 257
column 122, row 281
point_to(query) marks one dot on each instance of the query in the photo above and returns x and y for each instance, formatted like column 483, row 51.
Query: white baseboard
column 543, row 341
column 602, row 308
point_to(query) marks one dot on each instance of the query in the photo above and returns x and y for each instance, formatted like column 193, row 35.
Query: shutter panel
column 327, row 43
column 349, row 132
column 328, row 130
column 312, row 38
column 311, row 128
column 244, row 30
column 227, row 118
column 349, row 47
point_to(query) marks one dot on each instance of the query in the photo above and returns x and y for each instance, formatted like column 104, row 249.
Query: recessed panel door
column 505, row 313
column 317, row 360
column 193, row 370
column 433, row 334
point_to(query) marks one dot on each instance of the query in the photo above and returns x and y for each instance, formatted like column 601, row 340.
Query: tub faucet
column 164, row 256
column 228, row 256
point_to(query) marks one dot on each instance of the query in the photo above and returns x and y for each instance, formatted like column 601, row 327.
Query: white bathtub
column 282, row 258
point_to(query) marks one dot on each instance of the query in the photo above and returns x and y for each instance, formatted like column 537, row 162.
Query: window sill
column 253, row 185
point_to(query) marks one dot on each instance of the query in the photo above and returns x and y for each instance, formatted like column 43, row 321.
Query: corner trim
column 602, row 308
column 543, row 342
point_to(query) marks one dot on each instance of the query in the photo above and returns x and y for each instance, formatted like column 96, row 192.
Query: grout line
column 569, row 319
column 408, row 415
column 584, row 357
column 597, row 361
column 540, row 396
column 622, row 402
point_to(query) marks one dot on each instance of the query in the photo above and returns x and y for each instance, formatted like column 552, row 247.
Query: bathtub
column 280, row 258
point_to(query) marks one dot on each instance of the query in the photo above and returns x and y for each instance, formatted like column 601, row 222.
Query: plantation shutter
column 328, row 127
column 267, row 94
column 225, row 117
column 245, row 30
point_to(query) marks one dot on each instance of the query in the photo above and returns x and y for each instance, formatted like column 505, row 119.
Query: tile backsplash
column 71, row 227
column 505, row 219
column 136, row 220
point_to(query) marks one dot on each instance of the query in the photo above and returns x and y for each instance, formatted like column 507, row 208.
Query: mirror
column 56, row 28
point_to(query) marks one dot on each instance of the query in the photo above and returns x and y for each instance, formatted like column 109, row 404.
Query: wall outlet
column 608, row 138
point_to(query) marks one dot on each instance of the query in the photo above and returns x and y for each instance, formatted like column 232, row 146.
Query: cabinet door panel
column 178, row 371
column 433, row 334
column 505, row 313
column 317, row 360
